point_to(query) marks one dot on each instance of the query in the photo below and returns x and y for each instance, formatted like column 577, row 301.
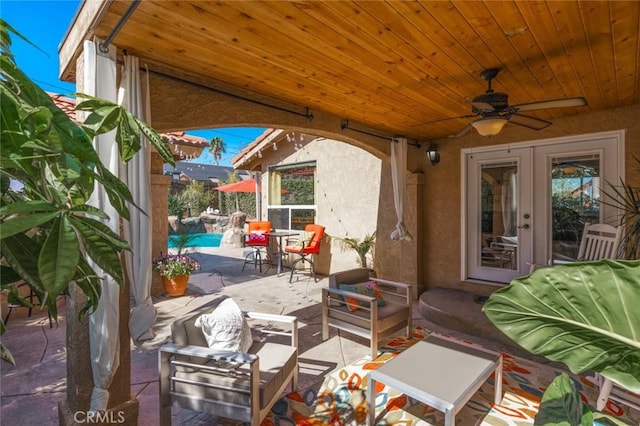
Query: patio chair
column 599, row 241
column 306, row 246
column 234, row 385
column 257, row 239
column 346, row 307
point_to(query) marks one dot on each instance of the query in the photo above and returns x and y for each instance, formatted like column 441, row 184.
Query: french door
column 528, row 203
column 499, row 228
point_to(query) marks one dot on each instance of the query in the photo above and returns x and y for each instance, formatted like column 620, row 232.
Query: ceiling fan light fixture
column 489, row 126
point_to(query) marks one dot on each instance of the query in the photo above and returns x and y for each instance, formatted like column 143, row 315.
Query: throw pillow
column 305, row 238
column 226, row 328
column 257, row 237
column 369, row 288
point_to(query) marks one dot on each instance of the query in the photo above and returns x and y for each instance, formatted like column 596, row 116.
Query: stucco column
column 159, row 215
column 400, row 259
column 123, row 407
column 414, row 204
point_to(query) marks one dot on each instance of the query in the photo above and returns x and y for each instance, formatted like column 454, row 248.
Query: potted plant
column 361, row 247
column 583, row 314
column 48, row 229
column 175, row 271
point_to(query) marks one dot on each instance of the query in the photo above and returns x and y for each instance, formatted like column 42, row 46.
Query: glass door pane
column 575, row 196
column 499, row 207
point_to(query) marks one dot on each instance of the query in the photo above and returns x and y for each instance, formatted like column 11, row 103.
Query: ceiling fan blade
column 463, row 131
column 482, row 106
column 530, row 122
column 554, row 103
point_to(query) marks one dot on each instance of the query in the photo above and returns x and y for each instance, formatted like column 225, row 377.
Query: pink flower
column 172, row 266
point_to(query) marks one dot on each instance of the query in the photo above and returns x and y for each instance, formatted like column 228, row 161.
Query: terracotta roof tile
column 181, row 138
column 252, row 145
column 67, row 105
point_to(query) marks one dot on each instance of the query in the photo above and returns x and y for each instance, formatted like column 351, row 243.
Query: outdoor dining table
column 279, row 235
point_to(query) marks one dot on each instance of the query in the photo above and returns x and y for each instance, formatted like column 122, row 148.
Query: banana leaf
column 584, row 314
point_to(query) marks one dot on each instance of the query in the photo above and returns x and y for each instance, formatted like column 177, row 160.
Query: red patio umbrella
column 247, row 185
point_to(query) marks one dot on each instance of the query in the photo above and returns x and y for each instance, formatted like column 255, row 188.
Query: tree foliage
column 195, row 197
column 217, row 147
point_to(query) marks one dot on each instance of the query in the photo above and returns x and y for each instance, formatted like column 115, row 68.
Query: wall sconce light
column 433, row 155
column 489, row 126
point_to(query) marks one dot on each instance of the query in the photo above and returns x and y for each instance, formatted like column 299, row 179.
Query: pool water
column 197, row 240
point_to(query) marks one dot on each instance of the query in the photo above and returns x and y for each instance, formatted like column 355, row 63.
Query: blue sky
column 45, row 23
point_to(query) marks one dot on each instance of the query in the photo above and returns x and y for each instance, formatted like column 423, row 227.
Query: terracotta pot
column 175, row 286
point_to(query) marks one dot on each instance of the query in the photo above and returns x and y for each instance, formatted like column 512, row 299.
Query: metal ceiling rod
column 345, row 126
column 104, row 47
column 306, row 114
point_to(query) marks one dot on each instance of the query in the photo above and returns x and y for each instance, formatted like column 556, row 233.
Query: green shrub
column 176, row 207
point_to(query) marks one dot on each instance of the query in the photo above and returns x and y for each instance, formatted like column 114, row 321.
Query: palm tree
column 626, row 198
column 217, row 148
column 361, row 247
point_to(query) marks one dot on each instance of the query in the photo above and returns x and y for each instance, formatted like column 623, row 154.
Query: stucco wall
column 347, row 193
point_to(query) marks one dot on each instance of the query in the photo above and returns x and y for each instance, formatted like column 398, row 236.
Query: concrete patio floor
column 31, row 390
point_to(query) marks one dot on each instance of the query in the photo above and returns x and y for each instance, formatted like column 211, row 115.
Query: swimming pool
column 197, row 240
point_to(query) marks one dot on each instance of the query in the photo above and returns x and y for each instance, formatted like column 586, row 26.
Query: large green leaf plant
column 48, row 231
column 583, row 314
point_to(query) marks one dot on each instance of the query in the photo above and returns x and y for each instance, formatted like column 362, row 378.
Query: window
column 292, row 195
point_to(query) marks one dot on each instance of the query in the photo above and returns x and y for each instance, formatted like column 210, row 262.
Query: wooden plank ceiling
column 400, row 67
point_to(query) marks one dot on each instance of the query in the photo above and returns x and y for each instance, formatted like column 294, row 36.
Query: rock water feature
column 234, row 234
column 230, row 226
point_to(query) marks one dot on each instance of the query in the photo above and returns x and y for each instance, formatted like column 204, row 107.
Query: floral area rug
column 341, row 399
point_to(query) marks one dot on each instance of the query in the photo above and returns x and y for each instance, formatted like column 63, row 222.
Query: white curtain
column 104, row 339
column 509, row 202
column 398, row 178
column 133, row 95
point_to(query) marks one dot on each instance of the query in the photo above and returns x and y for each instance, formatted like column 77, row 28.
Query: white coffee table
column 438, row 372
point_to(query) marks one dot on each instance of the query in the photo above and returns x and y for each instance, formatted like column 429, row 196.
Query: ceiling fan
column 494, row 110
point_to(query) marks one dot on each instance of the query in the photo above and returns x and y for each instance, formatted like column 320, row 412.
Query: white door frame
column 616, row 137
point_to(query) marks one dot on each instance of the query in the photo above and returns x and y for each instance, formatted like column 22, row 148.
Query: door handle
column 525, row 226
